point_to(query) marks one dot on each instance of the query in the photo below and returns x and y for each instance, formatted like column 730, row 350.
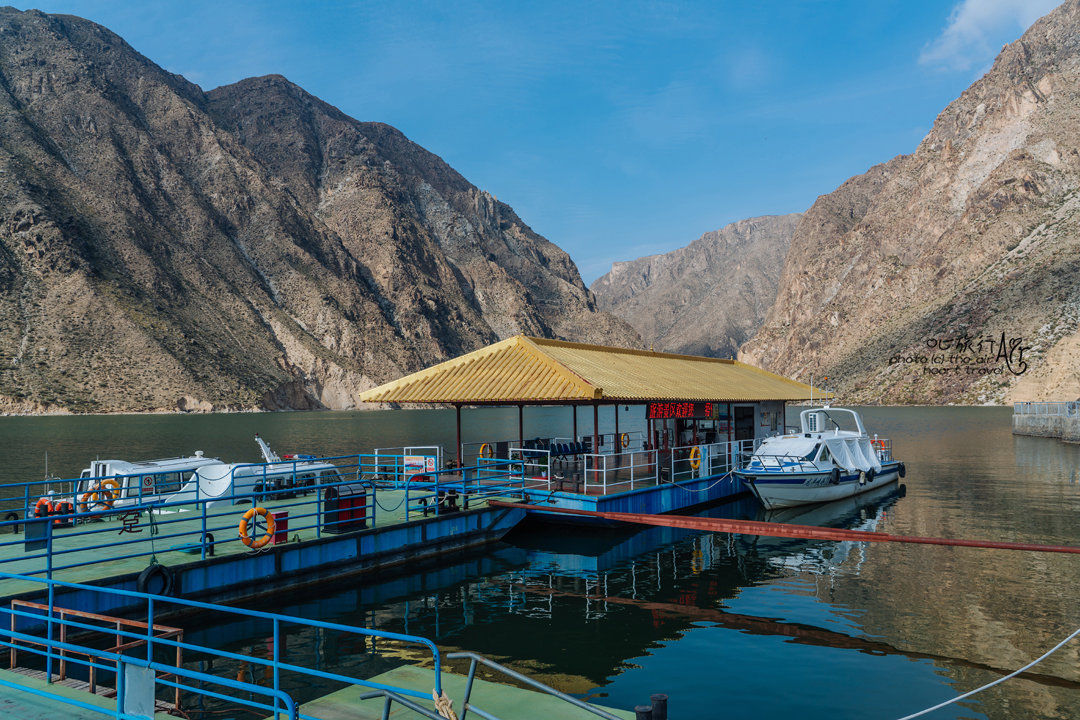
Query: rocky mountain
column 708, row 297
column 251, row 247
column 901, row 284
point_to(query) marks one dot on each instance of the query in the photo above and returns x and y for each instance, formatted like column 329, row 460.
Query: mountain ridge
column 707, row 297
column 970, row 239
column 155, row 257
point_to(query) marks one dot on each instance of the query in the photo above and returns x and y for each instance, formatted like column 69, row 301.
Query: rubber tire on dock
column 147, row 583
column 903, row 470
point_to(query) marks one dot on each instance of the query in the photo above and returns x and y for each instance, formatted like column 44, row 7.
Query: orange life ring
column 624, row 440
column 103, row 494
column 248, row 517
column 43, row 507
column 695, row 457
column 486, row 451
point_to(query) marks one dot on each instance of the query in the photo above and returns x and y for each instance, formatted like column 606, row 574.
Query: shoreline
column 383, row 407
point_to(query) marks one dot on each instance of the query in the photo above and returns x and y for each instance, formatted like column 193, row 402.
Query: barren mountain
column 706, row 298
column 901, row 284
column 164, row 248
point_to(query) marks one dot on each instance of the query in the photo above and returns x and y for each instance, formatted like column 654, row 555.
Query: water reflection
column 733, row 626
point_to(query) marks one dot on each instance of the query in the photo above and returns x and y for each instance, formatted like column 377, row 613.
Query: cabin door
column 744, row 423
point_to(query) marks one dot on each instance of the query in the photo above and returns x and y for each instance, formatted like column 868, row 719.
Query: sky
column 614, row 129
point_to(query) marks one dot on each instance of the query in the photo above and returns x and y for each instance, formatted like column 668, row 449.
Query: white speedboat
column 824, row 461
column 109, row 484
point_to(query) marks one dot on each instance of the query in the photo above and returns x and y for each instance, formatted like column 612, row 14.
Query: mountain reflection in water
column 737, row 626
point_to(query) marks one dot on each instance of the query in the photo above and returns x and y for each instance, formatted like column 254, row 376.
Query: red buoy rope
column 783, row 530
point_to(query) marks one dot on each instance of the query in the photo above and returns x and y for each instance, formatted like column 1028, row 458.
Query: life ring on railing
column 43, row 507
column 103, row 494
column 695, row 457
column 248, row 517
column 624, row 440
column 879, row 444
column 486, row 451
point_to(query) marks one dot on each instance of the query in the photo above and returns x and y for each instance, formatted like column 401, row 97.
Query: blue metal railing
column 47, row 646
column 315, row 505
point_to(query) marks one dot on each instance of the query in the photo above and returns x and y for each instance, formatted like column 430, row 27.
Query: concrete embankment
column 1064, row 427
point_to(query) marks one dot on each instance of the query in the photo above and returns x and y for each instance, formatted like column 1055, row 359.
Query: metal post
column 521, row 425
column 468, row 690
column 574, row 438
column 52, row 597
column 460, row 460
column 596, row 428
column 659, row 706
column 149, row 629
column 277, row 659
column 643, row 712
column 203, row 552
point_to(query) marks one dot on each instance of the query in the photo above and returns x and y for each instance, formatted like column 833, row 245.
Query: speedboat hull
column 784, row 489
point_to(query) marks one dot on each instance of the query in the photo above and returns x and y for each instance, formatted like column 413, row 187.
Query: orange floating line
column 784, row 530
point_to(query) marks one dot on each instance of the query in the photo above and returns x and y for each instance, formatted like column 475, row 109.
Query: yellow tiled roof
column 534, row 370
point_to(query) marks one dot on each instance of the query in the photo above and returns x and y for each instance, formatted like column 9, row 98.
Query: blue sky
column 614, row 129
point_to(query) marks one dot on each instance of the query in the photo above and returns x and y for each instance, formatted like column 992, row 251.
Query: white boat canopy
column 853, row 453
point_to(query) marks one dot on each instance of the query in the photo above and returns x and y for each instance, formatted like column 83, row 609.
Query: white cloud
column 977, row 28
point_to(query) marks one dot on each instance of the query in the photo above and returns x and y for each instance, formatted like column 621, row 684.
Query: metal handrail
column 53, row 647
column 477, row 658
column 275, row 663
column 393, row 697
column 1064, row 409
column 306, row 513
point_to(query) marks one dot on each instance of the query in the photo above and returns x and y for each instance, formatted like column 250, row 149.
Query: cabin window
column 161, row 484
column 825, row 456
column 810, row 455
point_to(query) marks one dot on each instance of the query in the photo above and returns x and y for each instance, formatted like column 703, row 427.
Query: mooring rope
column 989, row 685
column 443, row 705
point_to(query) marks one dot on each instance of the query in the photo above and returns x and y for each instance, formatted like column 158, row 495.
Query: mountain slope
column 159, row 248
column 975, row 235
column 706, row 298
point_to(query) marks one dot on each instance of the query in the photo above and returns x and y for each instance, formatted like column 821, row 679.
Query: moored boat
column 823, row 462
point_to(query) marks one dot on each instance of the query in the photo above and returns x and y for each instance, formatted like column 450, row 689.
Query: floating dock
column 103, row 546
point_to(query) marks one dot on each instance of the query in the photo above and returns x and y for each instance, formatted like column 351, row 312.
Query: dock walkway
column 502, row 701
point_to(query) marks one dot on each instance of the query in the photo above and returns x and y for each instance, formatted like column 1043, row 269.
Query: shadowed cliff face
column 162, row 248
column 706, row 298
column 975, row 234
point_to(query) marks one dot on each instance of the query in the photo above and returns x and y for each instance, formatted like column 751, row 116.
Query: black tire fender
column 902, row 470
column 836, row 476
column 156, row 575
column 870, row 474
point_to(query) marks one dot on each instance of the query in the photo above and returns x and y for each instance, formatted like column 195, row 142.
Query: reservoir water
column 728, row 626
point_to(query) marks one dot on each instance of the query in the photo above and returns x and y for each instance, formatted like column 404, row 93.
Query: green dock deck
column 28, row 706
column 76, row 546
column 503, row 701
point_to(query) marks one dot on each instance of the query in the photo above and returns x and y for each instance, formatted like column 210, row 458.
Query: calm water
column 729, row 627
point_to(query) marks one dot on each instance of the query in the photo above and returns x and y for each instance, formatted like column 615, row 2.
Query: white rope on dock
column 1013, row 674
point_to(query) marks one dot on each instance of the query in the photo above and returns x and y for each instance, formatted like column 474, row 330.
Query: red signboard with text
column 683, row 410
